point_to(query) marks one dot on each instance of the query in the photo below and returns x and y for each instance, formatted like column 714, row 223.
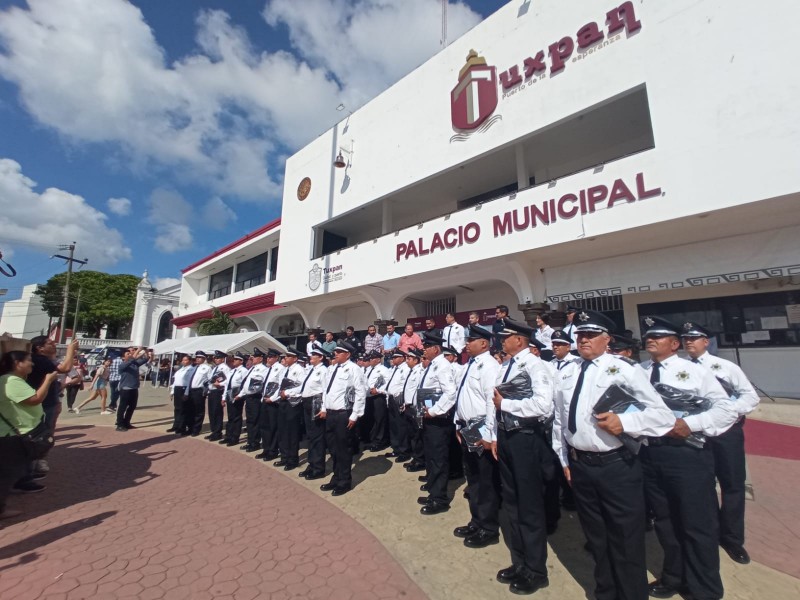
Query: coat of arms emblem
column 314, row 278
column 475, row 97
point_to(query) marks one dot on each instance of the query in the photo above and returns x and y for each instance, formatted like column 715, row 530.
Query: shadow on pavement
column 567, row 544
column 29, row 545
column 363, row 468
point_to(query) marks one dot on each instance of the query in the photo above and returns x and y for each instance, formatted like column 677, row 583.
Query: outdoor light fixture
column 339, row 162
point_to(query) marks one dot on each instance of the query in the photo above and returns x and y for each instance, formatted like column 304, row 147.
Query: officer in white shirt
column 217, row 380
column 290, row 410
column 474, row 403
column 438, row 426
column 270, row 407
column 453, row 334
column 728, row 447
column 679, row 478
column 198, row 389
column 178, row 391
column 233, row 428
column 623, row 346
column 452, row 356
column 342, row 405
column 606, row 477
column 393, row 389
column 544, row 333
column 377, row 375
column 250, row 392
column 569, row 329
column 522, row 452
column 311, row 393
column 412, row 432
column 561, row 343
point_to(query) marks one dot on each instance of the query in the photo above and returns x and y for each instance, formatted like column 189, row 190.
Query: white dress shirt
column 396, row 380
column 314, row 381
column 557, row 364
column 275, row 374
column 235, row 378
column 454, row 336
column 606, row 370
column 337, row 380
column 745, row 398
column 691, row 377
column 541, row 403
column 544, row 335
column 215, row 370
column 475, row 391
column 201, row 375
column 256, row 378
column 439, row 375
column 180, row 378
column 374, row 373
column 411, row 384
column 297, row 374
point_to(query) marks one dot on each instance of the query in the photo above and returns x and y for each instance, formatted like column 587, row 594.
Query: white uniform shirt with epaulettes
column 557, row 365
column 235, row 378
column 745, row 398
column 373, row 374
column 475, row 391
column 544, row 335
column 454, row 336
column 215, row 370
column 411, row 384
column 295, row 373
column 394, row 383
column 606, row 370
column 540, row 404
column 314, row 381
column 200, row 377
column 439, row 375
column 337, row 380
column 180, row 378
column 275, row 375
column 257, row 373
column 695, row 378
column 458, row 370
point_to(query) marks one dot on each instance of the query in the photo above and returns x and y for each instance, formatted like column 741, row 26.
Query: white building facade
column 154, row 312
column 25, row 317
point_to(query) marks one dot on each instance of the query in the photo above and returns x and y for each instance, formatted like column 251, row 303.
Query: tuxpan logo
column 474, row 98
column 314, row 278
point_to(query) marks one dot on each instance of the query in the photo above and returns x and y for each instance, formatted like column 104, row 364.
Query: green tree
column 217, row 324
column 106, row 300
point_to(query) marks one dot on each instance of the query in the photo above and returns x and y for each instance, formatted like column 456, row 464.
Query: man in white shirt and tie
column 569, row 329
column 178, row 391
column 393, row 390
column 198, row 389
column 561, row 350
column 290, row 410
column 233, row 428
column 311, row 392
column 270, row 407
column 413, row 433
column 606, row 477
column 453, row 334
column 217, row 380
column 251, row 390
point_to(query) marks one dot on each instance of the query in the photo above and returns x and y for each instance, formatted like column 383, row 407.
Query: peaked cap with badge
column 220, row 354
column 476, row 332
column 431, row 339
column 592, row 320
column 560, row 337
column 512, row 327
column 691, row 329
column 657, row 327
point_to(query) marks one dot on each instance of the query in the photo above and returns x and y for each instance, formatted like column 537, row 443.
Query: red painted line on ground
column 772, row 439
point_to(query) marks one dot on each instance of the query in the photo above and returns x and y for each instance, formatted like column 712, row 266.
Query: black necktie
column 449, row 331
column 405, row 385
column 192, row 370
column 560, row 364
column 464, row 379
column 394, row 370
column 330, row 381
column 305, row 381
column 655, row 374
column 696, row 360
column 573, row 405
column 424, row 375
column 508, row 370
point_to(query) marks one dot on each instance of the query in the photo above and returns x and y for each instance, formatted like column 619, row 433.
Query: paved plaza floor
column 144, row 514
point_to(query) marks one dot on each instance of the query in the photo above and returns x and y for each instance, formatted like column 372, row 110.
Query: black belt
column 667, row 441
column 518, row 423
column 336, row 411
column 600, row 458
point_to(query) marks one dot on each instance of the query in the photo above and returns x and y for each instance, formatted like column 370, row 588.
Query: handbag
column 37, row 442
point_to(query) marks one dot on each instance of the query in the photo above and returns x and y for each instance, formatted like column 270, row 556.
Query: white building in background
column 154, row 312
column 25, row 317
column 635, row 158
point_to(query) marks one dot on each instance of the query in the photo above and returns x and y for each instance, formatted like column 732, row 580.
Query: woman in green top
column 20, row 406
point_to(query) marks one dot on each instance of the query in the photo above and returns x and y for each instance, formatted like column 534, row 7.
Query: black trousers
column 437, row 432
column 128, row 399
column 233, row 428
column 483, row 479
column 14, row 465
column 610, row 501
column 113, row 387
column 339, row 440
column 729, row 467
column 455, row 458
column 216, row 412
column 379, row 436
column 679, row 483
column 197, row 399
column 315, row 430
column 520, row 456
column 268, row 427
column 416, row 443
column 252, row 412
column 179, row 423
column 72, row 393
column 289, row 418
column 395, row 423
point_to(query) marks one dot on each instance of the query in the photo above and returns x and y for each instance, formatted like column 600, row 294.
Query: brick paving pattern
column 147, row 515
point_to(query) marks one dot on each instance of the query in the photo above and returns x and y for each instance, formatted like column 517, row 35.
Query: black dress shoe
column 194, row 434
column 481, row 539
column 230, row 444
column 121, row 428
column 401, row 458
column 434, row 508
column 528, row 584
column 262, row 456
column 737, row 553
column 327, row 487
column 424, row 500
column 245, row 447
column 171, row 430
column 465, row 531
column 249, row 448
column 290, row 467
column 377, row 447
column 391, row 454
column 279, row 463
column 222, row 441
column 340, row 491
column 413, row 468
column 214, row 438
column 508, row 575
column 660, row 590
column 423, row 478
column 304, row 472
column 423, row 487
column 313, row 476
column 208, row 437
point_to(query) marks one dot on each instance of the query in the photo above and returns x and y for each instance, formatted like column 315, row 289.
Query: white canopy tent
column 229, row 342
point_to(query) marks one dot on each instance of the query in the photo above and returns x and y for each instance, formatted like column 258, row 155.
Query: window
column 273, row 264
column 252, row 272
column 754, row 320
column 220, row 284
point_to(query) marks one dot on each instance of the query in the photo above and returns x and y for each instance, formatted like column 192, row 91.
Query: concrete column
column 523, row 175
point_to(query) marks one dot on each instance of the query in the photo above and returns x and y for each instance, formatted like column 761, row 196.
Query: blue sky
column 152, row 132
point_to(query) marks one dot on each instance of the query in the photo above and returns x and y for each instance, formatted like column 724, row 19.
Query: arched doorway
column 164, row 327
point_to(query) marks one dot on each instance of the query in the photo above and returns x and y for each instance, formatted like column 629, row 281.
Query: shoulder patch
column 630, row 361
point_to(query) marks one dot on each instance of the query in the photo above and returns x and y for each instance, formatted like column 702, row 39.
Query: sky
column 152, row 132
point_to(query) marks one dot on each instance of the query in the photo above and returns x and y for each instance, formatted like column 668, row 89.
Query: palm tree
column 218, row 323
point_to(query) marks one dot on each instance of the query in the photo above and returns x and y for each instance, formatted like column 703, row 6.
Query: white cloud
column 173, row 237
column 93, row 71
column 119, row 206
column 164, row 282
column 55, row 217
column 217, row 214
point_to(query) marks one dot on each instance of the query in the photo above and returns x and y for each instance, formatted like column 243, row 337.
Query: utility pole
column 70, row 260
column 75, row 320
